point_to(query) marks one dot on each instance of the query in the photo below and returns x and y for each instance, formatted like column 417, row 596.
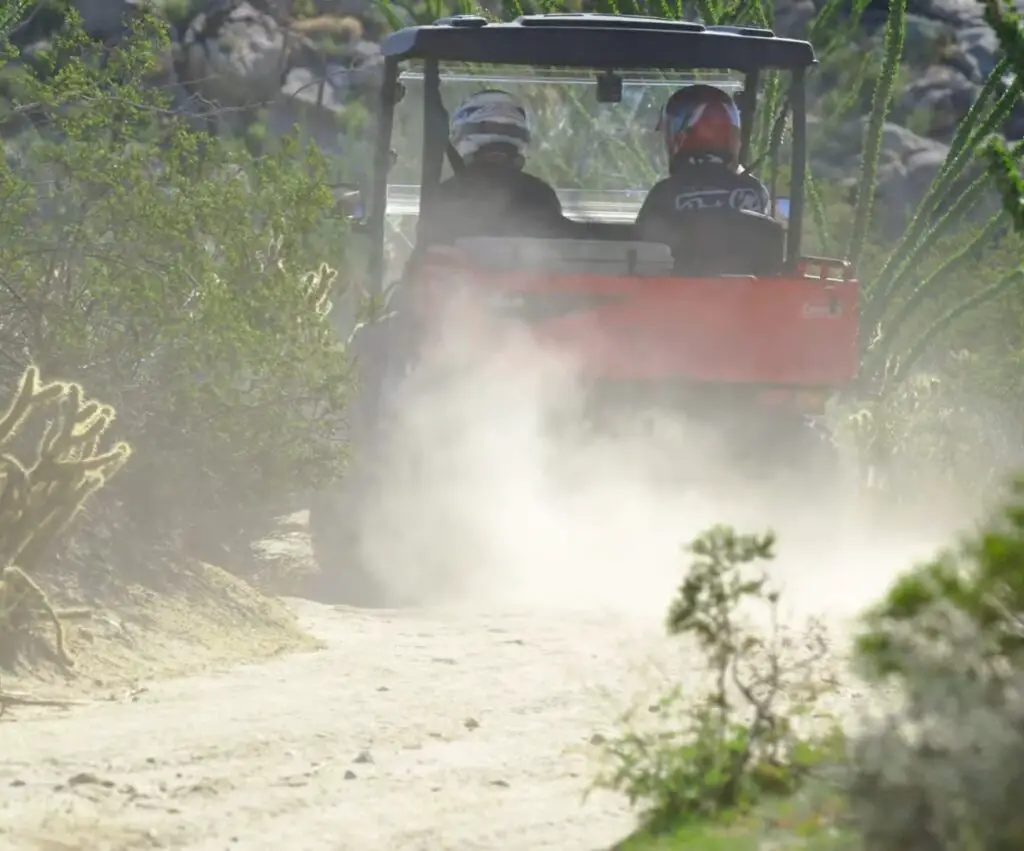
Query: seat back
column 724, row 241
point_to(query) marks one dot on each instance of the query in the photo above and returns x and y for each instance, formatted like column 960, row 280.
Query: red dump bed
column 800, row 330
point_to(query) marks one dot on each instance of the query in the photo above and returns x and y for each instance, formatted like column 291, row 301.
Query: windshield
column 600, row 158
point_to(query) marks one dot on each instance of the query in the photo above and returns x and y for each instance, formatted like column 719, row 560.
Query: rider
column 701, row 126
column 491, row 195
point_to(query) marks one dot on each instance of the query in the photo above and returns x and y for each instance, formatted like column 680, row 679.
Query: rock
column 88, row 778
column 793, row 17
column 926, row 40
column 907, row 164
column 907, row 154
column 957, row 13
column 902, row 185
column 941, row 97
column 102, row 18
column 329, row 65
column 977, row 48
column 322, row 91
column 355, row 8
column 235, row 56
column 1013, row 127
column 365, row 72
column 335, row 29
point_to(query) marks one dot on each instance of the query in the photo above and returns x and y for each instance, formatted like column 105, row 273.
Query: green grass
column 809, row 821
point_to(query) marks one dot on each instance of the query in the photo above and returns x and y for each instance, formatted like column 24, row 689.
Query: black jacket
column 700, row 187
column 489, row 200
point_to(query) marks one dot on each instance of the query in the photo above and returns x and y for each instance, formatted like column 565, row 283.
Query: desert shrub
column 982, row 578
column 935, row 433
column 168, row 270
column 757, row 730
column 944, row 767
column 42, row 490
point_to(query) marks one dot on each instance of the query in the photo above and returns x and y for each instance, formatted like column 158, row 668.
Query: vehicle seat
column 723, row 241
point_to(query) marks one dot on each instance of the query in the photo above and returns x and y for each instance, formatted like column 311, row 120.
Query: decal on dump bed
column 818, row 310
column 539, row 306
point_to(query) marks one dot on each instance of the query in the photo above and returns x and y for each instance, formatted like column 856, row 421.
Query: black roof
column 582, row 40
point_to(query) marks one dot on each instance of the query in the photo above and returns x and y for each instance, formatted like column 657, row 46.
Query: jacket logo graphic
column 716, row 199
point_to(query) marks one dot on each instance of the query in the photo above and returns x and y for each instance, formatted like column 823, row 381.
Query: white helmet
column 487, row 118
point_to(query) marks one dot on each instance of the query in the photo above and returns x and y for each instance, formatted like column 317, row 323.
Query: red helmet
column 702, row 120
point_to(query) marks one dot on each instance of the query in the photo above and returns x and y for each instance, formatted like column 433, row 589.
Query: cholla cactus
column 319, row 286
column 37, row 500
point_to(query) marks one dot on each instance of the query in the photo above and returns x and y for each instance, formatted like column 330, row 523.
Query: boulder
column 927, row 40
column 792, row 17
column 907, row 164
column 941, row 97
column 103, row 18
column 979, row 49
column 235, row 56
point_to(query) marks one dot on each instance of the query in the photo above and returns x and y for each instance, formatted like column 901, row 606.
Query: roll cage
column 603, row 44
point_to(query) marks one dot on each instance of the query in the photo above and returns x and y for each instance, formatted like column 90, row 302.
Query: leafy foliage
column 935, row 763
column 742, row 739
column 166, row 269
column 1002, row 161
column 943, row 769
column 881, row 103
column 983, row 580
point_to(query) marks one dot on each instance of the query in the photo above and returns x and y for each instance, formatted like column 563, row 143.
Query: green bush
column 757, row 731
column 944, row 768
column 168, row 270
column 1002, row 160
column 934, row 763
column 982, row 580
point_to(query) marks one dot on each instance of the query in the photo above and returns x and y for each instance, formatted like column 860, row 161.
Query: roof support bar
column 798, row 102
column 381, row 166
column 747, row 103
column 435, row 133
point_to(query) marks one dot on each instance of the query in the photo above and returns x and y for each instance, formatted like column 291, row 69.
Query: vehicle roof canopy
column 584, row 40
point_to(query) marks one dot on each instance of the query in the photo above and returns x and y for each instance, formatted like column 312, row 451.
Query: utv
column 731, row 321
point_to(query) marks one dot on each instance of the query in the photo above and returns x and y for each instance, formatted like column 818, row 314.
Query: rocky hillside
column 236, row 62
column 949, row 50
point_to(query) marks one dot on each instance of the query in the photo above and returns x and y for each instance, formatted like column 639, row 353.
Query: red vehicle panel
column 797, row 331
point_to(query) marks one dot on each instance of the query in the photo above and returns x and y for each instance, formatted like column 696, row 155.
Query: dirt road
column 409, row 731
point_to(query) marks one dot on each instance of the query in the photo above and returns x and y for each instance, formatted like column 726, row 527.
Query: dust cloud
column 496, row 495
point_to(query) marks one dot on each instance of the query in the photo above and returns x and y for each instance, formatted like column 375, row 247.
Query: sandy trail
column 410, row 731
